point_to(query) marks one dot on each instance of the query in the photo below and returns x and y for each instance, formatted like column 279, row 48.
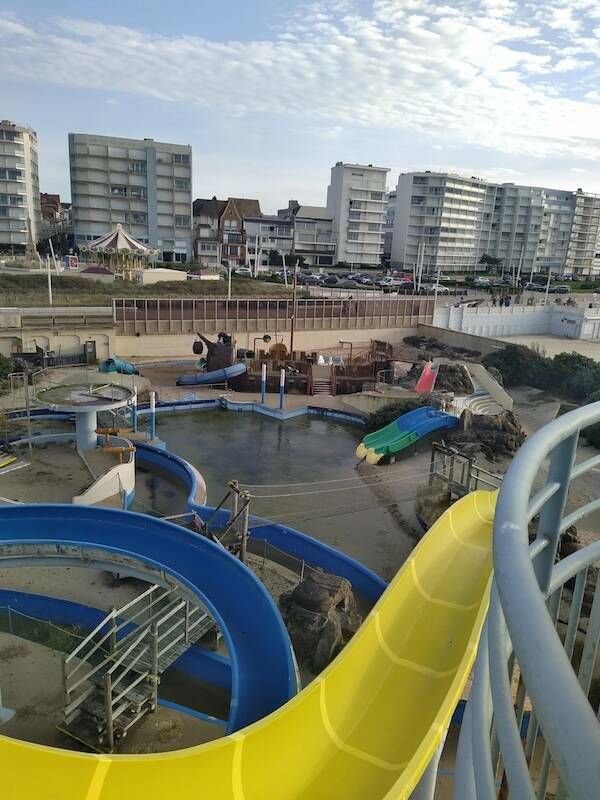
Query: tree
column 490, row 261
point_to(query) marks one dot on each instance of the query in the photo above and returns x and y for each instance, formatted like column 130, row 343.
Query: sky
column 271, row 93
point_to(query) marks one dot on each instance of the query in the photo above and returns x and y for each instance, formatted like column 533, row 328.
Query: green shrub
column 390, row 412
column 6, row 367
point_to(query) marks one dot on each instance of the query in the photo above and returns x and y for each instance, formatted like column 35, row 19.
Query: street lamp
column 266, row 339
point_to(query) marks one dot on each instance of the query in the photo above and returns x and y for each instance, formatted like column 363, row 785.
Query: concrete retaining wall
column 484, row 344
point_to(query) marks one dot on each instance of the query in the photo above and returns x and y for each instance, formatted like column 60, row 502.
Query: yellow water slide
column 365, row 728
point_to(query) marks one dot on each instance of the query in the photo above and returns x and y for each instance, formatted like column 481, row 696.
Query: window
column 3, row 211
column 354, row 215
column 208, row 247
column 230, row 223
column 352, row 235
column 373, row 226
column 9, row 136
column 137, row 166
column 182, row 220
column 118, row 190
column 138, row 192
column 182, row 183
column 10, row 174
column 358, row 174
column 139, row 217
column 231, row 250
column 356, row 204
column 181, row 158
column 376, row 195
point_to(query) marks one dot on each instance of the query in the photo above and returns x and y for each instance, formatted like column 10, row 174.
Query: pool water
column 328, row 499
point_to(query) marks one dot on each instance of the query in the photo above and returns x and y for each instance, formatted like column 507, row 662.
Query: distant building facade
column 206, row 214
column 388, row 228
column 356, row 202
column 143, row 184
column 269, row 240
column 19, row 187
column 313, row 237
column 448, row 222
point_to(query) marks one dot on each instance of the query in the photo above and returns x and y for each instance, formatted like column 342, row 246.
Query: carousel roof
column 119, row 241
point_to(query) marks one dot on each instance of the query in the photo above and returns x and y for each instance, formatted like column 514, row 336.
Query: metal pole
column 154, row 667
column 49, row 280
column 294, row 307
column 281, row 388
column 152, row 416
column 263, row 383
column 110, row 736
column 233, row 485
column 547, row 287
column 245, row 518
column 229, row 280
column 134, row 411
column 27, row 408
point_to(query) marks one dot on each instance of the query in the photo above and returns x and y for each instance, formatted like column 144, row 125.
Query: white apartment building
column 440, row 219
column 388, row 230
column 451, row 221
column 356, row 202
column 583, row 254
column 19, row 187
column 143, row 184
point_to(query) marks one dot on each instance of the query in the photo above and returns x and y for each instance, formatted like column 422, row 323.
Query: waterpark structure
column 473, row 591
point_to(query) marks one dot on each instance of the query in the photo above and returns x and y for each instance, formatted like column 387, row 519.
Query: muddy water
column 332, row 502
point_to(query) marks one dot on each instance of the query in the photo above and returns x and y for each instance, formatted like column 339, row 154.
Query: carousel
column 120, row 252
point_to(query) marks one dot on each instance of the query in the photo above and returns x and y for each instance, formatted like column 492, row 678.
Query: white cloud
column 481, row 72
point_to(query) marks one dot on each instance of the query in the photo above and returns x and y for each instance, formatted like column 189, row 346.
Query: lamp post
column 263, row 370
column 266, row 339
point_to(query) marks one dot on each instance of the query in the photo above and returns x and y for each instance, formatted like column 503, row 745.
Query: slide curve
column 402, row 432
column 215, row 376
column 367, row 727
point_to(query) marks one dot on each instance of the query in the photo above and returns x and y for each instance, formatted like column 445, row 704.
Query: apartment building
column 583, row 253
column 314, row 240
column 388, row 229
column 440, row 221
column 19, row 187
column 206, row 214
column 269, row 239
column 356, row 202
column 448, row 222
column 143, row 184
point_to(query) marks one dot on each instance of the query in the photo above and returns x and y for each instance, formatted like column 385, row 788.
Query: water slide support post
column 281, row 388
column 134, row 418
column 152, row 416
column 263, row 383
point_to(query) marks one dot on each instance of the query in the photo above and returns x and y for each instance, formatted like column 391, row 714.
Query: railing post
column 233, row 485
column 561, row 464
column 245, row 518
column 112, row 642
column 110, row 732
column 154, row 667
column 187, row 621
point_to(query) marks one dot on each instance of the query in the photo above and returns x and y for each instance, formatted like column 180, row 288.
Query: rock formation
column 320, row 615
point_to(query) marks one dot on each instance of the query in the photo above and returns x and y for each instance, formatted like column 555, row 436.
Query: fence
column 528, row 658
column 39, row 631
column 157, row 316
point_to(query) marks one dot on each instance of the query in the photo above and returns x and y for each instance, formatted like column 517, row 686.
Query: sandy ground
column 55, row 473
column 552, row 345
column 39, row 704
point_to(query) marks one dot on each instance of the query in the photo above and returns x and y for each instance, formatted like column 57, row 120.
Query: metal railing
column 177, row 315
column 530, row 729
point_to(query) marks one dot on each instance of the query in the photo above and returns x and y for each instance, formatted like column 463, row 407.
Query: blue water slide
column 433, row 420
column 215, row 376
column 263, row 673
column 412, row 420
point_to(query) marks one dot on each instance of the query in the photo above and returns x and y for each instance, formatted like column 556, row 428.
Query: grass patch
column 31, row 290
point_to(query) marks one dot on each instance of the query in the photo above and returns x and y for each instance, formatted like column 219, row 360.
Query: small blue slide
column 215, row 376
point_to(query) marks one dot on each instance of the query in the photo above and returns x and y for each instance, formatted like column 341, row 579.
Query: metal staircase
column 111, row 679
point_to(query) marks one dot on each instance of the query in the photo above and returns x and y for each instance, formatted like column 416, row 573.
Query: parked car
column 243, row 272
column 366, row 280
column 432, row 288
column 561, row 289
column 481, row 282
